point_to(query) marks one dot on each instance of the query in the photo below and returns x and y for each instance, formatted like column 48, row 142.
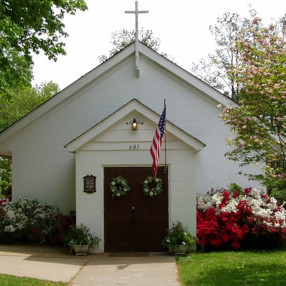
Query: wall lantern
column 134, row 123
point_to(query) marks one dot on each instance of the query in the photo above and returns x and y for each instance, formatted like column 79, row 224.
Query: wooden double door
column 135, row 222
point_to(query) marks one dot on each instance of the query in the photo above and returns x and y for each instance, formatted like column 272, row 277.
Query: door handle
column 133, row 214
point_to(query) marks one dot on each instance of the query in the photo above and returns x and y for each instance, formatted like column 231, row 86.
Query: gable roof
column 100, row 70
column 131, row 106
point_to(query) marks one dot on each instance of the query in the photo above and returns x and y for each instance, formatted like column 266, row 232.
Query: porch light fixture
column 134, row 123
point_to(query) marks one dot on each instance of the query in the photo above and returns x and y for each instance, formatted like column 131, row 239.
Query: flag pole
column 158, row 140
column 165, row 168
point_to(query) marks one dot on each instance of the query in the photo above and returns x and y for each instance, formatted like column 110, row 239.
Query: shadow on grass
column 250, row 274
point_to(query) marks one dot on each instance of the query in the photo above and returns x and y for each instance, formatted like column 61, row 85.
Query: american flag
column 157, row 141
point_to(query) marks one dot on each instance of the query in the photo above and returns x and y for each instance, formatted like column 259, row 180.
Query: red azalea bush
column 3, row 201
column 240, row 219
column 31, row 221
column 61, row 227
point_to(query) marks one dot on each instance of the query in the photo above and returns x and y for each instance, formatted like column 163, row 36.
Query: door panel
column 135, row 222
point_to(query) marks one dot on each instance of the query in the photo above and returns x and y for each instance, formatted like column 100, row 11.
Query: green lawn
column 8, row 280
column 233, row 268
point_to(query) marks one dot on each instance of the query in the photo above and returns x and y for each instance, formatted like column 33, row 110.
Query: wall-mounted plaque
column 89, row 183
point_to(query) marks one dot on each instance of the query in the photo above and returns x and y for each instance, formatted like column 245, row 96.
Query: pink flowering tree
column 259, row 122
column 240, row 219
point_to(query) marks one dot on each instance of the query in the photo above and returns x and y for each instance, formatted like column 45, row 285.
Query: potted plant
column 79, row 239
column 178, row 240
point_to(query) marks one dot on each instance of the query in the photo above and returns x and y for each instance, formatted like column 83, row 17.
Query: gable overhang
column 21, row 126
column 132, row 106
column 186, row 76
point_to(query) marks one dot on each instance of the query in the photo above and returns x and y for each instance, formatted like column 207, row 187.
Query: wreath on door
column 152, row 186
column 119, row 187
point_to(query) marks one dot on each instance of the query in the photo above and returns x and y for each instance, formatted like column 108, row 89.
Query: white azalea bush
column 239, row 218
column 28, row 220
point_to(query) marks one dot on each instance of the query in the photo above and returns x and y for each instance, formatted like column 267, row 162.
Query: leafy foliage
column 216, row 70
column 279, row 195
column 31, row 221
column 219, row 70
column 6, row 177
column 259, row 123
column 15, row 72
column 80, row 235
column 17, row 217
column 28, row 27
column 22, row 101
column 178, row 235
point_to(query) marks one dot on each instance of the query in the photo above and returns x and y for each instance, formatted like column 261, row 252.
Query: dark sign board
column 89, row 183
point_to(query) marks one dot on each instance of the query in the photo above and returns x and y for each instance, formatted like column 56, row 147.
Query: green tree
column 22, row 101
column 28, row 27
column 217, row 70
column 259, row 123
column 12, row 108
column 5, row 177
column 123, row 38
column 15, row 71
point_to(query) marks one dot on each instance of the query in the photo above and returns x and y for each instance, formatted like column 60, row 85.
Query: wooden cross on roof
column 136, row 12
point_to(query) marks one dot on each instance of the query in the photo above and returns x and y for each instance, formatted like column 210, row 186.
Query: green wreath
column 152, row 186
column 119, row 187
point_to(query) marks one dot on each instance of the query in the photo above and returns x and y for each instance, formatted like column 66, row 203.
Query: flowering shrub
column 29, row 220
column 279, row 195
column 80, row 235
column 179, row 240
column 61, row 227
column 235, row 219
column 177, row 235
column 3, row 201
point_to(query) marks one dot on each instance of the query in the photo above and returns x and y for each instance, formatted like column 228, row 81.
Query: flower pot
column 182, row 249
column 81, row 249
column 172, row 248
column 192, row 247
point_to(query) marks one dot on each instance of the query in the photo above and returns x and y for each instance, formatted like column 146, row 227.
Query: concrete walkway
column 95, row 269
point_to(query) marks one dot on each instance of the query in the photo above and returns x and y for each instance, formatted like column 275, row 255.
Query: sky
column 182, row 27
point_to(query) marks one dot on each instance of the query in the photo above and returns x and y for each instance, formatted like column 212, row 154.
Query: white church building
column 68, row 150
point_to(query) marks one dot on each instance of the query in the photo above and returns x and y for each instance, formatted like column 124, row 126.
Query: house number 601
column 133, row 147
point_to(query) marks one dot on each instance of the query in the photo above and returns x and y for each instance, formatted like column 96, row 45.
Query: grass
column 233, row 268
column 8, row 280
